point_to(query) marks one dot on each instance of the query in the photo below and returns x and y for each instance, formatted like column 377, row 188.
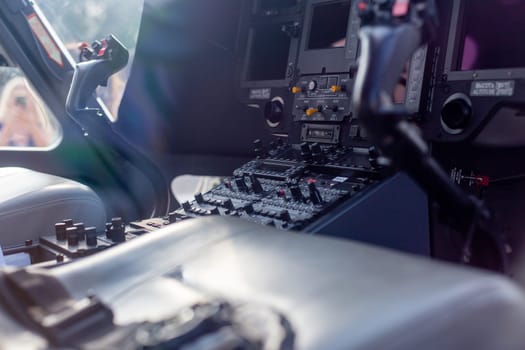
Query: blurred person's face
column 21, row 105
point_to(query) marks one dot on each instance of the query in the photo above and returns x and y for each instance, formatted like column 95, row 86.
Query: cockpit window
column 86, row 21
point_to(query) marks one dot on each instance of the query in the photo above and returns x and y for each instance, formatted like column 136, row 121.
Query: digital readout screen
column 329, row 25
column 491, row 35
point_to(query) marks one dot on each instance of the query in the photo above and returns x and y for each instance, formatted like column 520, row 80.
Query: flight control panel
column 299, row 60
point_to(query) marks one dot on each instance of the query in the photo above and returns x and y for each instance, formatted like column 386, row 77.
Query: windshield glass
column 88, row 20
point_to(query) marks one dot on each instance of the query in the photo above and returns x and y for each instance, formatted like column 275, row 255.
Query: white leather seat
column 32, row 202
column 336, row 294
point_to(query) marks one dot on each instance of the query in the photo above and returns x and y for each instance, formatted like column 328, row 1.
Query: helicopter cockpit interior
column 366, row 157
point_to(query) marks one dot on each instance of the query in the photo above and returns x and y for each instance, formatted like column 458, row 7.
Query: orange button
column 311, row 111
column 296, row 90
column 335, row 88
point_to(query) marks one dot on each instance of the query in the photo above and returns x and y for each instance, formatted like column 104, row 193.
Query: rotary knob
column 91, row 237
column 60, row 232
column 72, row 236
column 312, row 85
column 81, row 229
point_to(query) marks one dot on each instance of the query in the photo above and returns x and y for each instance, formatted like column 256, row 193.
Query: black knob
column 118, row 231
column 91, row 236
column 108, row 230
column 274, row 112
column 285, row 216
column 315, row 195
column 306, row 152
column 456, row 114
column 96, row 46
column 241, row 184
column 81, row 231
column 186, row 206
column 199, row 198
column 256, row 185
column 72, row 236
column 172, row 217
column 228, row 204
column 249, row 209
column 116, row 222
column 297, row 194
column 119, row 235
column 69, row 222
column 60, row 232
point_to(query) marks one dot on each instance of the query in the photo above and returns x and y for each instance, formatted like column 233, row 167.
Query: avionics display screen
column 492, row 35
column 268, row 58
column 329, row 25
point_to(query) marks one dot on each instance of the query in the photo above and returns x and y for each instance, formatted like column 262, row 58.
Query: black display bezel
column 292, row 57
column 454, row 53
column 336, row 60
column 257, row 9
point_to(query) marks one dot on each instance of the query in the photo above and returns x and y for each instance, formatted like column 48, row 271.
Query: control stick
column 98, row 62
column 391, row 32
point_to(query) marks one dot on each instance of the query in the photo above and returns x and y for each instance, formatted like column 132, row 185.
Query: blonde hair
column 40, row 116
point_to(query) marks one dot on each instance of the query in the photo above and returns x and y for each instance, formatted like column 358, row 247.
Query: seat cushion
column 336, row 294
column 32, row 202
